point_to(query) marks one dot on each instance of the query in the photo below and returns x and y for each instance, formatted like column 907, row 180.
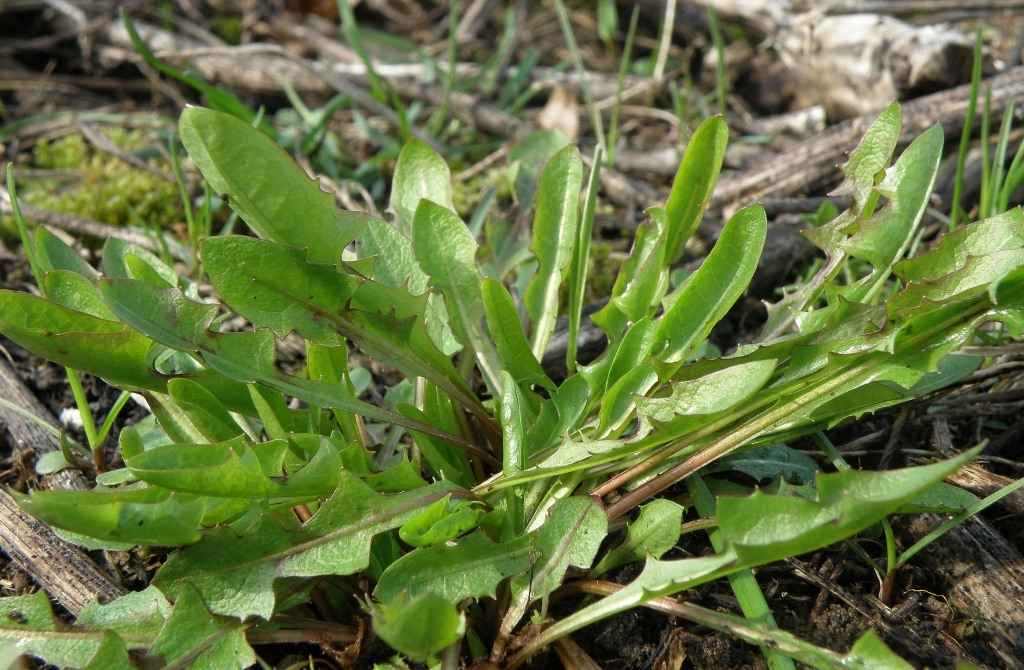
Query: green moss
column 98, row 186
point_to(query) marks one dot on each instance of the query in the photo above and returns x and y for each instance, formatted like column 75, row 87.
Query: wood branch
column 814, row 163
column 985, row 574
column 69, row 576
column 66, row 572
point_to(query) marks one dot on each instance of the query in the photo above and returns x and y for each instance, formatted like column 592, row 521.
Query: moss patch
column 98, row 186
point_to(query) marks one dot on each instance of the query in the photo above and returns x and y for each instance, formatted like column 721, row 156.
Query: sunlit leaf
column 267, row 189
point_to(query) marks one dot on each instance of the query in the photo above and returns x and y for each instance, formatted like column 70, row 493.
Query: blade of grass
column 570, row 40
column 350, row 29
column 219, row 98
column 948, row 525
column 744, row 584
column 965, row 135
column 578, row 262
column 627, row 50
column 986, row 165
column 449, row 78
column 721, row 81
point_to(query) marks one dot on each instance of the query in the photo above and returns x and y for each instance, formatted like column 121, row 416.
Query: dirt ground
column 67, row 69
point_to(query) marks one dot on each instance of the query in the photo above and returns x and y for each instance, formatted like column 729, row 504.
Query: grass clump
column 480, row 486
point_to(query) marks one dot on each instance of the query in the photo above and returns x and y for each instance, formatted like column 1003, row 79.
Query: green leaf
column 760, row 529
column 234, row 470
column 570, row 535
column 507, row 331
column 124, row 260
column 28, row 626
column 554, row 233
column 867, row 160
column 871, row 156
column 394, row 261
column 526, row 160
column 395, row 266
column 204, row 409
column 53, row 253
column 883, row 238
column 195, row 638
column 942, row 499
column 441, row 522
column 420, row 628
column 957, row 248
column 100, row 347
column 871, row 653
column 771, row 462
column 708, row 294
column 76, row 292
column 642, row 280
column 559, row 415
column 441, row 458
column 164, row 314
column 172, row 319
column 619, row 403
column 147, row 516
column 708, row 393
column 273, row 412
column 472, row 567
column 446, row 251
column 581, row 256
column 419, row 173
column 513, row 449
column 655, row 531
column 142, row 613
column 276, row 287
column 694, row 184
column 110, row 655
column 265, row 186
column 235, row 574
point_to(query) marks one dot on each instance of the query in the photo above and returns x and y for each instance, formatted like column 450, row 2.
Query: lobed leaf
column 275, row 287
column 76, row 292
column 883, row 238
column 472, row 567
column 172, row 319
column 419, row 173
column 235, row 574
column 655, row 531
column 192, row 637
column 28, row 626
column 146, row 516
column 446, row 251
column 235, row 469
column 420, row 628
column 265, row 186
column 568, row 536
column 848, row 503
